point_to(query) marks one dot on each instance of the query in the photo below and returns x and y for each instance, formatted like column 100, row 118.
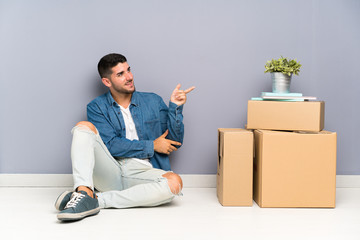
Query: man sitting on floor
column 123, row 149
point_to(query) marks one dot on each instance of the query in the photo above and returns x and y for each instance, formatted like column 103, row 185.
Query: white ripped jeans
column 121, row 183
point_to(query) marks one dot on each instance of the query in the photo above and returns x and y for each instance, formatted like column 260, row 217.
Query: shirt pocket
column 152, row 128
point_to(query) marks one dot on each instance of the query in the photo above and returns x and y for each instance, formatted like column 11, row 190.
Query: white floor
column 28, row 213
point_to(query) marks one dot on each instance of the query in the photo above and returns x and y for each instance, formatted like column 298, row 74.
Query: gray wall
column 49, row 51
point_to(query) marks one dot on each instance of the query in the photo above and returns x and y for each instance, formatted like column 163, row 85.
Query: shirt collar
column 134, row 99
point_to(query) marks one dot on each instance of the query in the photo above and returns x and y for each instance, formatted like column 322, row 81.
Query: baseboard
column 189, row 180
column 348, row 181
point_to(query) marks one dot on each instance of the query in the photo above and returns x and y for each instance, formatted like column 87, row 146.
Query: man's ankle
column 88, row 190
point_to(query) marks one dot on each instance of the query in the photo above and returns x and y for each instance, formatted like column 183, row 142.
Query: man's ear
column 106, row 82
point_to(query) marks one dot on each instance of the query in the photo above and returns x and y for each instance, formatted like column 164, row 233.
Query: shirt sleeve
column 173, row 118
column 118, row 146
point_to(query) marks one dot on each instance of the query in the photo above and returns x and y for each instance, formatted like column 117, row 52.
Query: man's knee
column 88, row 125
column 174, row 181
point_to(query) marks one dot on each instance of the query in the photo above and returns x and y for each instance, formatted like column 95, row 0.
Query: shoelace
column 75, row 198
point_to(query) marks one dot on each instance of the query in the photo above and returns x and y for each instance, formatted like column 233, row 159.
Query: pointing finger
column 189, row 89
column 174, row 143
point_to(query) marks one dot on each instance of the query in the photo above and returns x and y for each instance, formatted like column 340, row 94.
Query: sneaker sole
column 59, row 200
column 77, row 216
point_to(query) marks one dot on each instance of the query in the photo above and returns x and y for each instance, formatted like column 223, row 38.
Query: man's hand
column 163, row 145
column 179, row 96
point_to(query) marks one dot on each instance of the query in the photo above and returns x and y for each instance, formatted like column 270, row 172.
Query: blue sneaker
column 62, row 200
column 80, row 206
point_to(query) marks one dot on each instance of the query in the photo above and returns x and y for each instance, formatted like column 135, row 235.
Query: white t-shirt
column 131, row 133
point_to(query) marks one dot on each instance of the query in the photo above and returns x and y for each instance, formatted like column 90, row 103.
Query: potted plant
column 281, row 71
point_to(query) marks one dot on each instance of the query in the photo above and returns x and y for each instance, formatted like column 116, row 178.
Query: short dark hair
column 109, row 61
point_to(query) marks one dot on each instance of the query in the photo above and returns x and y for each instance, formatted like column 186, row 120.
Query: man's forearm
column 122, row 147
column 175, row 123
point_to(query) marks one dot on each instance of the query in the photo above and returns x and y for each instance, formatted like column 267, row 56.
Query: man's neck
column 123, row 99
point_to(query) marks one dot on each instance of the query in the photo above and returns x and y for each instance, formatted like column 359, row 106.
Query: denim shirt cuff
column 175, row 108
column 149, row 149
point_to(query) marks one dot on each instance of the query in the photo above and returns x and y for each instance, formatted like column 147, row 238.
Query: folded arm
column 118, row 146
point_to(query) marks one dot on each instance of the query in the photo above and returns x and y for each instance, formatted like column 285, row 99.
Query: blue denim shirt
column 151, row 117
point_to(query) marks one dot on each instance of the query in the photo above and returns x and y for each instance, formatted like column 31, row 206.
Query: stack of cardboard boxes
column 283, row 159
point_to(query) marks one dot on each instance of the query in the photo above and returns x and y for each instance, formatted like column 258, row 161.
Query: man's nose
column 128, row 76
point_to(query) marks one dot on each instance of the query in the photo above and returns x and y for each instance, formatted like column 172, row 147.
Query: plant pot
column 280, row 82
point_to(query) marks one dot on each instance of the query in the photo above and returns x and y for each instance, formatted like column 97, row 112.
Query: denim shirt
column 151, row 117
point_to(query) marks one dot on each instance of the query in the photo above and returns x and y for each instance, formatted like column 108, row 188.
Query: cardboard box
column 281, row 115
column 295, row 169
column 235, row 167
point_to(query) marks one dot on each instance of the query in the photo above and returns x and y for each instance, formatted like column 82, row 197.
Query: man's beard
column 124, row 91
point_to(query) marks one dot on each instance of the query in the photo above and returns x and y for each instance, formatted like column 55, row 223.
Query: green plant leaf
column 283, row 65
